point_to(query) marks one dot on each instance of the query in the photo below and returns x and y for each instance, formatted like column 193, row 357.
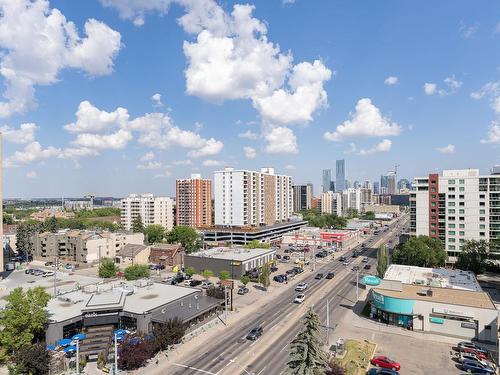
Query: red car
column 479, row 353
column 385, row 362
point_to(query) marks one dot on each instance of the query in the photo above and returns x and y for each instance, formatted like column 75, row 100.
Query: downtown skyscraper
column 340, row 173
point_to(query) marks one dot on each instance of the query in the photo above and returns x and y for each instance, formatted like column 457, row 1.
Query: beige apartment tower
column 193, row 201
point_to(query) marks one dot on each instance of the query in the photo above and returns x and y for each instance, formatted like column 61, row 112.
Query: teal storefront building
column 394, row 311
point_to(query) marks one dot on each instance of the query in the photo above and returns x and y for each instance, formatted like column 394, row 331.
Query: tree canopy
column 24, row 233
column 107, row 268
column 256, row 244
column 306, row 356
column 476, row 256
column 186, row 236
column 421, row 251
column 32, row 359
column 316, row 219
column 136, row 272
column 265, row 276
column 24, row 317
column 154, row 233
column 137, row 226
column 382, row 260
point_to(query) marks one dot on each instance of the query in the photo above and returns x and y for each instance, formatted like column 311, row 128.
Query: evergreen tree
column 107, row 268
column 265, row 276
column 382, row 261
column 306, row 356
column 24, row 234
column 137, row 226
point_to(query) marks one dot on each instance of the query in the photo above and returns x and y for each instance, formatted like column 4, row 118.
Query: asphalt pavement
column 232, row 353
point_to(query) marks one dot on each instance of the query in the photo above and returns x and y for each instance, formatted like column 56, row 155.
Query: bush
column 136, row 272
column 216, row 292
column 32, row 359
column 107, row 268
column 169, row 333
column 132, row 356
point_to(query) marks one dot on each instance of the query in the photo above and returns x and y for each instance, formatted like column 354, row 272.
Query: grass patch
column 357, row 357
column 366, row 310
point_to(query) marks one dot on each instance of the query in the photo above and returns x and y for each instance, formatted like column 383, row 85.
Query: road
column 232, row 353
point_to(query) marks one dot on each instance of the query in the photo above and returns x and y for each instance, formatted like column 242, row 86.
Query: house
column 132, row 254
column 167, row 254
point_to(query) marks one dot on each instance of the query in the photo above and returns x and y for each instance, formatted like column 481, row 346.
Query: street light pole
column 357, row 283
column 116, row 355
column 327, row 322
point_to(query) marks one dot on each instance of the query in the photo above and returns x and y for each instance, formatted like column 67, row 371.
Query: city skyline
column 137, row 115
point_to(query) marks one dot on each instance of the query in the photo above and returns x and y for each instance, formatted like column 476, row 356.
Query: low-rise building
column 435, row 300
column 48, row 213
column 236, row 261
column 272, row 234
column 312, row 236
column 167, row 254
column 81, row 245
column 131, row 254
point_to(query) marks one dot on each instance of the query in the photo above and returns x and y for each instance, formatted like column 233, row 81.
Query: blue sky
column 291, row 85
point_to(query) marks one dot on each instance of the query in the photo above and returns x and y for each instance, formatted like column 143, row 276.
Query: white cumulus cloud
column 38, row 42
column 430, row 88
column 449, row 149
column 249, row 135
column 24, row 134
column 113, row 141
column 366, row 121
column 150, row 165
column 281, row 140
column 90, row 119
column 493, row 133
column 32, row 152
column 156, row 98
column 384, row 146
column 212, row 163
column 391, row 81
column 250, row 152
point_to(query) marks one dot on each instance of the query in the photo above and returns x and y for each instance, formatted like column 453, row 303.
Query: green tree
column 306, row 356
column 24, row 317
column 256, row 244
column 154, row 233
column 421, row 251
column 207, row 274
column 224, row 275
column 169, row 333
column 186, row 236
column 136, row 272
column 265, row 276
column 245, row 280
column 190, row 271
column 51, row 224
column 137, row 226
column 32, row 359
column 474, row 256
column 369, row 215
column 382, row 261
column 8, row 219
column 107, row 268
column 24, row 234
column 351, row 213
column 99, row 212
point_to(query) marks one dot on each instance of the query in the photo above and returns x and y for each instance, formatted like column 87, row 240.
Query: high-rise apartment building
column 351, row 199
column 302, row 197
column 366, row 198
column 326, row 179
column 331, row 203
column 152, row 210
column 193, row 198
column 391, row 183
column 376, row 187
column 250, row 198
column 340, row 173
column 457, row 206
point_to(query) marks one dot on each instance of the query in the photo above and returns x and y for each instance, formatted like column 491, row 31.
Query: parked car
column 255, row 333
column 278, row 256
column 330, row 275
column 480, row 353
column 206, row 284
column 48, row 264
column 167, row 280
column 476, row 367
column 298, row 270
column 385, row 362
column 342, row 259
column 355, row 268
column 367, row 266
column 299, row 298
column 467, row 345
column 287, row 257
column 280, row 278
column 194, row 282
column 48, row 274
column 345, row 263
column 318, row 276
column 469, row 357
column 38, row 272
column 28, row 271
column 187, row 282
column 365, row 260
column 301, row 287
column 382, row 371
column 274, row 269
column 243, row 290
column 322, row 254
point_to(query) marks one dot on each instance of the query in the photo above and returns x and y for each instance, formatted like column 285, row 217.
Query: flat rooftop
column 434, row 277
column 228, row 253
column 250, row 229
column 135, row 297
column 448, row 296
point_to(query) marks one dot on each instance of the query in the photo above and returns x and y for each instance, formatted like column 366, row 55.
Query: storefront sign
column 446, row 311
column 378, row 298
column 468, row 325
column 436, row 320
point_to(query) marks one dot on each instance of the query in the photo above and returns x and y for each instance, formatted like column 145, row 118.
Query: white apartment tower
column 250, row 198
column 331, row 203
column 351, row 198
column 153, row 210
column 456, row 206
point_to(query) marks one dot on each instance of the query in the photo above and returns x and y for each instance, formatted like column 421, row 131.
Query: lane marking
column 194, row 369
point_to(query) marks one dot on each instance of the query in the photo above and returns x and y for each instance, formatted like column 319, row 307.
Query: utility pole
column 116, row 356
column 99, row 247
column 327, row 322
column 55, row 274
column 78, row 356
column 357, row 284
column 225, row 301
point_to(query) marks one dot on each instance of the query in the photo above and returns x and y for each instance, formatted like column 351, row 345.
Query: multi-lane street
column 232, row 353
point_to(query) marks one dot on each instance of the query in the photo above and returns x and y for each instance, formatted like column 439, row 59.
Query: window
column 451, row 204
column 482, row 226
column 461, row 182
column 461, row 240
column 461, row 211
column 461, row 196
column 451, row 232
column 433, row 196
column 461, row 204
column 451, row 196
column 461, row 188
column 450, row 211
column 451, row 218
column 461, row 218
column 433, row 204
column 482, row 212
column 451, row 240
column 451, row 189
column 461, row 233
column 451, row 225
column 451, row 247
column 433, row 232
column 481, row 196
column 451, row 182
column 481, row 234
column 482, row 204
column 461, row 226
column 482, row 219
